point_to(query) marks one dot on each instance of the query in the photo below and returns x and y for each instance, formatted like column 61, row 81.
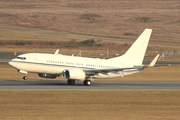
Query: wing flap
column 113, row 69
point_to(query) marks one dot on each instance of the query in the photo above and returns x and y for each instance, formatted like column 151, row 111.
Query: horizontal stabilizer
column 154, row 61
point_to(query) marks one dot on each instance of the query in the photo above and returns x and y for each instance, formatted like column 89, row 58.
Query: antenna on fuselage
column 57, row 51
column 79, row 54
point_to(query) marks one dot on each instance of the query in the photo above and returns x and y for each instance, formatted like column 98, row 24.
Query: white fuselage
column 56, row 64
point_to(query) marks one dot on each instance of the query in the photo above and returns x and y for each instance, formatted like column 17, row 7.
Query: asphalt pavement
column 96, row 85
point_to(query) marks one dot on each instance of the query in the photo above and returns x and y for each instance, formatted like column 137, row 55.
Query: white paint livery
column 82, row 68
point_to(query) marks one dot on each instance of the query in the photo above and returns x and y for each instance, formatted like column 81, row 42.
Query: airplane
column 75, row 68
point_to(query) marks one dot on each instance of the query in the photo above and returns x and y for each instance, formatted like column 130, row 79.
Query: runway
column 96, row 85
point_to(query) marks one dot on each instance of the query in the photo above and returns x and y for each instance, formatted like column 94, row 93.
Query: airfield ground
column 93, row 104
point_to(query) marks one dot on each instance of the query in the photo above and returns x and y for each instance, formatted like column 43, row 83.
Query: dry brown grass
column 122, row 19
column 107, row 18
column 68, row 105
column 60, row 104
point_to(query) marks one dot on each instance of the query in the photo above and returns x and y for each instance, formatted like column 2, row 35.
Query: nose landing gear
column 25, row 77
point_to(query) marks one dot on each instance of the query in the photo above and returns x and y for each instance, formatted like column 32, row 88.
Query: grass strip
column 83, row 104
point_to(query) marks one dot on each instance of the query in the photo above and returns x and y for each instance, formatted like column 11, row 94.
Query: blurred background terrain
column 88, row 25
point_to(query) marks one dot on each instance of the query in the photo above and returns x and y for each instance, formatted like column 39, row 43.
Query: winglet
column 57, row 51
column 154, row 61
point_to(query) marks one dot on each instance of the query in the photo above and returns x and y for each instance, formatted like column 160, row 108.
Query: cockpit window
column 21, row 58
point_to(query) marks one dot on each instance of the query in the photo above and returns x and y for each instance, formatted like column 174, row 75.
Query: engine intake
column 75, row 74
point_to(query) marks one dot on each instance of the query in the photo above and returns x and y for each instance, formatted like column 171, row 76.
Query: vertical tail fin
column 135, row 54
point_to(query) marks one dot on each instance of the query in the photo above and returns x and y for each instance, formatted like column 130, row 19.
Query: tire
column 71, row 82
column 87, row 82
column 25, row 77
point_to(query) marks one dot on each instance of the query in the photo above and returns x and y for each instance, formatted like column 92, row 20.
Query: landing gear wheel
column 71, row 82
column 25, row 77
column 87, row 82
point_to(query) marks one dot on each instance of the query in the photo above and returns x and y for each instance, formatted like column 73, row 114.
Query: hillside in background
column 115, row 18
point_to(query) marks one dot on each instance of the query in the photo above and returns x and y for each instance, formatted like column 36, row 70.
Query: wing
column 92, row 71
column 126, row 69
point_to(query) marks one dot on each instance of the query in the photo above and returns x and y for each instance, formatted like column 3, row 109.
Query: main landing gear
column 86, row 82
column 25, row 77
column 71, row 82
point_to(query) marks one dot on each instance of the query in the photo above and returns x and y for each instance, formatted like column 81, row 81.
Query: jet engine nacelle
column 75, row 74
column 43, row 75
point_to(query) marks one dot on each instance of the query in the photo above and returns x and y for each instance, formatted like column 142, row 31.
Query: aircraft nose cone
column 10, row 63
column 13, row 64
